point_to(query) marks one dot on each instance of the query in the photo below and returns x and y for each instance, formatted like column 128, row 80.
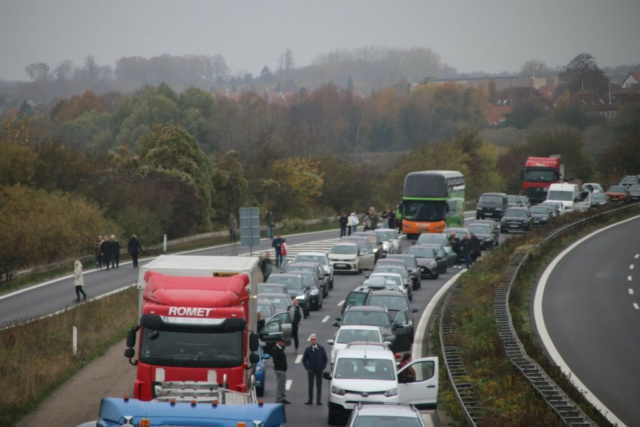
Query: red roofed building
column 632, row 80
column 497, row 115
column 594, row 104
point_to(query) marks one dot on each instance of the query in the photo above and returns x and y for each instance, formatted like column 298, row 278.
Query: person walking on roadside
column 344, row 221
column 277, row 245
column 366, row 221
column 115, row 252
column 105, row 248
column 476, row 248
column 266, row 266
column 373, row 216
column 455, row 245
column 134, row 248
column 280, row 368
column 392, row 219
column 233, row 228
column 97, row 251
column 270, row 222
column 296, row 319
column 465, row 246
column 353, row 220
column 283, row 253
column 78, row 281
column 314, row 361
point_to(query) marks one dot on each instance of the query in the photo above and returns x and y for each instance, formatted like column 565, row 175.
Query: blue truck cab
column 131, row 412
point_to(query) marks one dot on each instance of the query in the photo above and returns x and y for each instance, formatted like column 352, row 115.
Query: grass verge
column 36, row 358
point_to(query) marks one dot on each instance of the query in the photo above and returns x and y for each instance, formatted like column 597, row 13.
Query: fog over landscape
column 469, row 35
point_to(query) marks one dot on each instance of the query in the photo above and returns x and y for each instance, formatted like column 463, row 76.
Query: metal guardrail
column 556, row 398
column 465, row 394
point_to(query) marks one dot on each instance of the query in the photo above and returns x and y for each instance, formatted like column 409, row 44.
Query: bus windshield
column 417, row 210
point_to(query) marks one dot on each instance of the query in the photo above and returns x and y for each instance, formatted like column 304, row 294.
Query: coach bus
column 432, row 201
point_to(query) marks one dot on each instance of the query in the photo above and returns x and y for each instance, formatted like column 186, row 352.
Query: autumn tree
column 295, row 183
column 583, row 73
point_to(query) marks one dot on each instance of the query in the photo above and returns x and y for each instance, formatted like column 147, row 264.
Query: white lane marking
column 546, row 338
column 630, row 291
column 340, row 303
column 325, row 319
column 309, row 339
column 637, row 256
column 298, row 359
column 629, row 278
column 636, row 306
column 421, row 330
column 288, row 384
column 631, row 267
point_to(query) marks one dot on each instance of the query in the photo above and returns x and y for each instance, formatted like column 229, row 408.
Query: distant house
column 632, row 80
column 497, row 115
column 517, row 96
column 502, row 82
column 594, row 104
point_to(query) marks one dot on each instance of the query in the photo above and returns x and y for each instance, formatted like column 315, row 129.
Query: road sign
column 250, row 228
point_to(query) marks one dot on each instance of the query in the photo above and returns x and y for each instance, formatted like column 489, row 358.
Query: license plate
column 514, row 226
column 341, row 265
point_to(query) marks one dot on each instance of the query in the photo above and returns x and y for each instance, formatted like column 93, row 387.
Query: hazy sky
column 471, row 35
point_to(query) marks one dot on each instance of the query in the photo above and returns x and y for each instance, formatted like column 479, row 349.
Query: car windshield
column 516, row 213
column 390, row 269
column 383, row 237
column 266, row 289
column 362, row 243
column 512, row 199
column 409, row 262
column 266, row 310
column 629, row 180
column 191, row 348
column 416, row 210
column 422, row 252
column 480, row 229
column 279, row 302
column 440, row 239
column 602, row 196
column 312, row 258
column 491, row 199
column 371, row 318
column 355, row 298
column 365, row 369
column 634, row 188
column 560, row 195
column 289, row 282
column 617, row 189
column 398, row 303
column 382, row 421
column 343, row 250
column 539, row 210
column 346, row 336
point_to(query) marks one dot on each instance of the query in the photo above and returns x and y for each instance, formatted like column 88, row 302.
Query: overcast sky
column 471, row 35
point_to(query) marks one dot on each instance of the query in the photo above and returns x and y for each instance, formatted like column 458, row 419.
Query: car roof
column 393, row 409
column 365, row 308
column 303, row 264
column 283, row 275
column 368, row 353
column 428, row 245
column 311, row 253
column 398, row 256
column 389, row 293
column 359, row 328
column 390, row 261
column 493, row 194
column 518, row 208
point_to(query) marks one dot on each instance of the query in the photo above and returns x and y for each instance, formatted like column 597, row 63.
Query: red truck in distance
column 538, row 174
column 197, row 334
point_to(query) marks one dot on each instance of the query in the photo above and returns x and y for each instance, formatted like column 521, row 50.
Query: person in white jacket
column 78, row 281
column 353, row 223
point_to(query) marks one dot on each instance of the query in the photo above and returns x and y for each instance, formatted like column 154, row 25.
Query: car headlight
column 338, row 391
column 353, row 260
column 314, row 292
column 300, row 297
column 392, row 392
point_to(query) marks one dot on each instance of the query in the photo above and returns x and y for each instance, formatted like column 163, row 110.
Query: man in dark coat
column 296, row 318
column 105, row 248
column 476, row 247
column 134, row 248
column 280, row 368
column 465, row 247
column 277, row 245
column 315, row 362
column 392, row 219
column 115, row 252
column 344, row 220
column 455, row 245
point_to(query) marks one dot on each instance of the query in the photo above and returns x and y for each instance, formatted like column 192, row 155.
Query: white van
column 564, row 193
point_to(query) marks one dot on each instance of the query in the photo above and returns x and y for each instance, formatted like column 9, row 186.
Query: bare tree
column 220, row 69
column 38, row 71
column 286, row 63
column 63, row 70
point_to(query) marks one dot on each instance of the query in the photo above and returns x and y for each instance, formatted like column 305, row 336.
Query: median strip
column 630, row 291
column 636, row 306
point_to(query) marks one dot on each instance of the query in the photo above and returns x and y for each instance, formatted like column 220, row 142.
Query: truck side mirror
column 254, row 358
column 129, row 353
column 131, row 337
column 254, row 342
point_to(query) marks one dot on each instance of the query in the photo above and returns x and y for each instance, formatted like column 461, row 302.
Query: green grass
column 36, row 358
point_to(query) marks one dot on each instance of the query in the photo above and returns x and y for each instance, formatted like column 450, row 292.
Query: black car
column 495, row 227
column 373, row 315
column 396, row 302
column 513, row 201
column 485, row 234
column 312, row 267
column 356, row 297
column 540, row 214
column 634, row 193
column 524, row 201
column 429, row 262
column 491, row 205
column 412, row 266
column 441, row 239
column 516, row 219
column 297, row 287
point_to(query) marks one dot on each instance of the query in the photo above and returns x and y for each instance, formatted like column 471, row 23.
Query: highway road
column 587, row 312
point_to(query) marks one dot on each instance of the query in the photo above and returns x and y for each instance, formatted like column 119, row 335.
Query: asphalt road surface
column 590, row 309
column 112, row 375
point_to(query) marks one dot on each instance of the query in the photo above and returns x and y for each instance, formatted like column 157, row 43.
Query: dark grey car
column 314, row 268
column 540, row 214
column 396, row 302
column 430, row 264
column 516, row 219
column 484, row 232
column 491, row 205
column 412, row 266
column 297, row 289
column 373, row 315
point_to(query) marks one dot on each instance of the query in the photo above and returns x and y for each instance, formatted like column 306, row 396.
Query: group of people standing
column 467, row 250
column 371, row 219
column 107, row 251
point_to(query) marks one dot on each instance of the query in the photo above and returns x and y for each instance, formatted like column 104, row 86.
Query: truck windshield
column 533, row 175
column 563, row 196
column 417, row 210
column 191, row 348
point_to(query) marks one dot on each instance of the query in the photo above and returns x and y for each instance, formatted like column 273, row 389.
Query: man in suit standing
column 280, row 367
column 314, row 361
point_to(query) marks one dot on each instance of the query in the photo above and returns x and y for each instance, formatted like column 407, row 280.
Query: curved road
column 589, row 305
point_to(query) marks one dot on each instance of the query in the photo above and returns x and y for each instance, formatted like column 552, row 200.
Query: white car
column 378, row 281
column 559, row 206
column 389, row 246
column 320, row 258
column 353, row 333
column 344, row 257
column 397, row 279
column 368, row 375
column 398, row 415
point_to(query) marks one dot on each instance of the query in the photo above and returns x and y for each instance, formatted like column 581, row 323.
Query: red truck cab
column 538, row 174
